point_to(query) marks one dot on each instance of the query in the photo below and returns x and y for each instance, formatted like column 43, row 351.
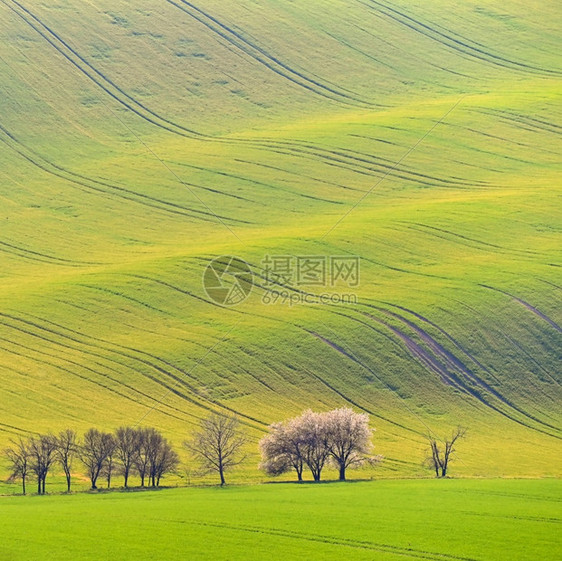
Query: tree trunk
column 68, row 482
column 221, row 472
column 38, row 485
column 342, row 472
column 126, row 476
column 23, row 484
column 142, row 479
column 43, row 485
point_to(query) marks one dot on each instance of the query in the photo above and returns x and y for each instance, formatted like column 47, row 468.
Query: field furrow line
column 42, row 361
column 15, row 430
column 364, row 160
column 95, row 353
column 332, row 540
column 452, row 363
column 360, row 165
column 101, row 80
column 263, row 57
column 475, row 50
column 535, row 125
column 152, row 361
column 528, row 306
column 299, row 175
column 45, row 257
column 107, row 189
column 351, row 357
column 451, row 377
column 523, row 252
column 256, row 182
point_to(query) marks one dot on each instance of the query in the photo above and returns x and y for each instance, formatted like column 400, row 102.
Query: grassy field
column 511, row 520
column 138, row 142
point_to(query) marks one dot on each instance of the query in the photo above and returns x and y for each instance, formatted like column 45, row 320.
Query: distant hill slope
column 138, row 142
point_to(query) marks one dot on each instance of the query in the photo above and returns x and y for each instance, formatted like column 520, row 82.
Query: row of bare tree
column 340, row 438
column 142, row 451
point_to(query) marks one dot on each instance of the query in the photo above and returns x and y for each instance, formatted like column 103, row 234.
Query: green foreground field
column 511, row 520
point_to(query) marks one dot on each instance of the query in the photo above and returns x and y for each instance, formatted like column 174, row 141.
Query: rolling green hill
column 140, row 140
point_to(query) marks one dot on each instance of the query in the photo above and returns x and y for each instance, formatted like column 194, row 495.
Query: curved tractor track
column 122, row 356
column 94, row 75
column 260, row 55
column 103, row 187
column 455, row 41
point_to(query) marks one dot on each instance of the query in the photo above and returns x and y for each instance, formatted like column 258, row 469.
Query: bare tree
column 142, row 453
column 442, row 450
column 165, row 460
column 126, row 446
column 155, row 442
column 282, row 449
column 348, row 438
column 42, row 454
column 19, row 457
column 95, row 450
column 109, row 464
column 66, row 450
column 217, row 445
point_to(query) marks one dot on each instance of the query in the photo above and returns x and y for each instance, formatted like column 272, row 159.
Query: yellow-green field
column 140, row 140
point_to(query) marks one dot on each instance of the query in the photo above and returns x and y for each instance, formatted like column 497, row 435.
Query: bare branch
column 217, row 445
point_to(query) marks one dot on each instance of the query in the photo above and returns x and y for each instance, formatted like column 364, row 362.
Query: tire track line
column 255, row 181
column 455, row 364
column 360, row 163
column 534, row 124
column 450, row 371
column 151, row 361
column 528, row 306
column 114, row 190
column 95, row 354
column 261, row 56
column 317, row 538
column 451, row 42
column 345, row 397
column 73, row 373
column 45, row 257
column 521, row 252
column 101, row 80
column 67, row 347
